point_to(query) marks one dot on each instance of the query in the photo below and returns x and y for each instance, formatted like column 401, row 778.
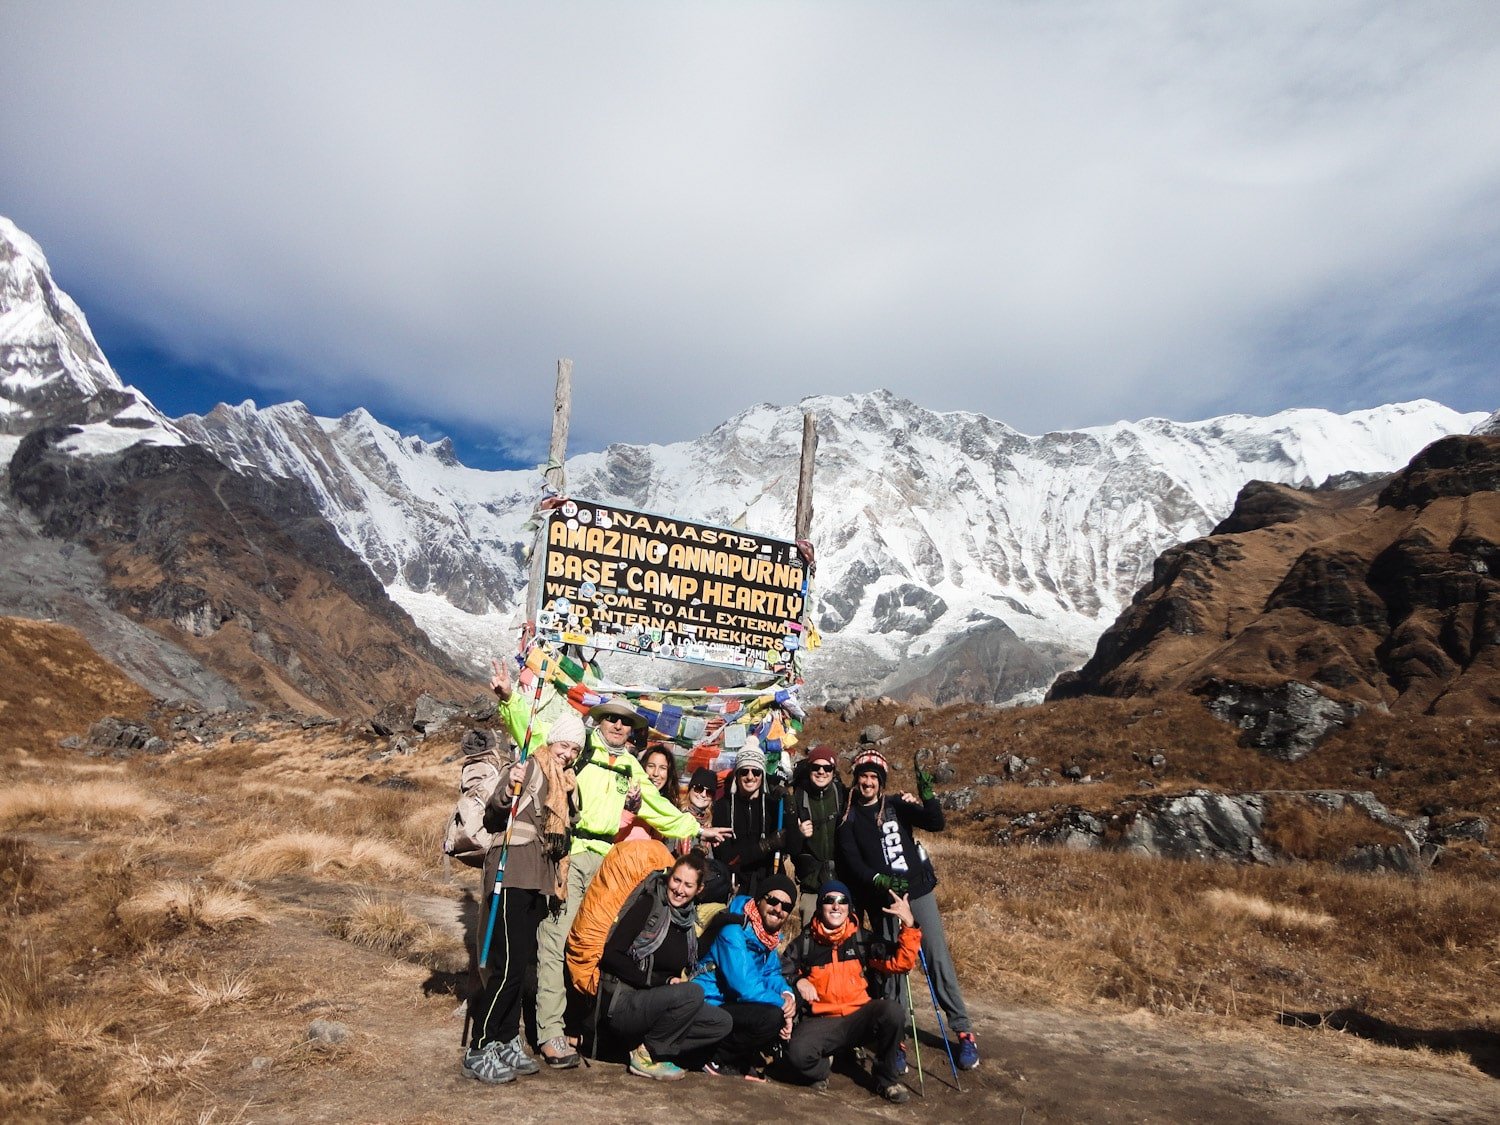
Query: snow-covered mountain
column 955, row 554
column 52, row 372
column 931, row 528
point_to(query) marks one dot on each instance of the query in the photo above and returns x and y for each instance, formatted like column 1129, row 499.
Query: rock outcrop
column 1304, row 606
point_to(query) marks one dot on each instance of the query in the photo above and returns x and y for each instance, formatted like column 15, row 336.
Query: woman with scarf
column 645, row 973
column 536, row 798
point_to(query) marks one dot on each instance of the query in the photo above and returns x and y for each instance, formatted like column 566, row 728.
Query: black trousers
column 816, row 1039
column 757, row 1027
column 671, row 1020
column 495, row 1010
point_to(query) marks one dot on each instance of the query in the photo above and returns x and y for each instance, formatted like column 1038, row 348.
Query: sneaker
column 820, row 1085
column 487, row 1066
column 515, row 1056
column 900, row 1066
column 558, row 1053
column 716, row 1069
column 968, row 1051
column 643, row 1064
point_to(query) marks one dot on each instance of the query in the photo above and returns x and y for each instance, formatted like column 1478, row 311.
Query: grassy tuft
column 82, row 803
column 315, row 852
column 176, row 904
column 1235, row 904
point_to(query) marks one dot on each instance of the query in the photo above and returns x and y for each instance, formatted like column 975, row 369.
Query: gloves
column 893, row 883
column 924, row 784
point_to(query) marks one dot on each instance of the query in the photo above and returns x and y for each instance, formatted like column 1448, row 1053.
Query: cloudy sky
column 1059, row 214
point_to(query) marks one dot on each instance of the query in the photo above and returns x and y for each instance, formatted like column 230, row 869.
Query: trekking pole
column 916, row 1044
column 942, row 1029
column 489, row 929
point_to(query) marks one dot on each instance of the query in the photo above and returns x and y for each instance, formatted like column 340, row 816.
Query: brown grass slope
column 1388, row 599
column 241, row 571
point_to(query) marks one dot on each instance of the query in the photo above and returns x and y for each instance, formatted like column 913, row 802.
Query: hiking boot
column 487, row 1066
column 896, row 1093
column 968, row 1051
column 643, row 1064
column 558, row 1053
column 900, row 1067
column 515, row 1056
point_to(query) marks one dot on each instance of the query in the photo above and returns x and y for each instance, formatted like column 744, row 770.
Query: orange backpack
column 624, row 866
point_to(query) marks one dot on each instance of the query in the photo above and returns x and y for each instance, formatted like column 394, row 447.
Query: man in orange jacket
column 828, row 963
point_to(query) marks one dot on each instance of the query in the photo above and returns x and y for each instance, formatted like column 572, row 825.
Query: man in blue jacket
column 741, row 973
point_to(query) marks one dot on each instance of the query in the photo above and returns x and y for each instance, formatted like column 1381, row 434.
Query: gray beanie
column 750, row 757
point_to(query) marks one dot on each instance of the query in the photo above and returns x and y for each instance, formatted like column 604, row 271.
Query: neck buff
column 757, row 927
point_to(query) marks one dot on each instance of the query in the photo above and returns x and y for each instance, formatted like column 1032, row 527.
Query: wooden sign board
column 624, row 581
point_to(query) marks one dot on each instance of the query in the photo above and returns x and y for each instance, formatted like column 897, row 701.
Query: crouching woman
column 645, row 970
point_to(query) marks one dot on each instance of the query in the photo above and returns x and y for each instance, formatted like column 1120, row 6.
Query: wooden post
column 805, row 500
column 805, row 476
column 554, row 477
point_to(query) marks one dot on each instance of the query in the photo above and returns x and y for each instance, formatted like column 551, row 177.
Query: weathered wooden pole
column 805, row 503
column 805, row 476
column 554, row 478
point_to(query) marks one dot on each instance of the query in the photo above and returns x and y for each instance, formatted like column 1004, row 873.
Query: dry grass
column 81, row 1025
column 82, row 804
column 1048, row 926
column 177, row 903
column 1233, row 903
column 387, row 925
column 143, row 1071
column 316, row 852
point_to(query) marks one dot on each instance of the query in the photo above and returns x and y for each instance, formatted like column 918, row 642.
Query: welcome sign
column 640, row 583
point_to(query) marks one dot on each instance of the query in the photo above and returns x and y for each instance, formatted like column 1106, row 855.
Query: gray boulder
column 432, row 714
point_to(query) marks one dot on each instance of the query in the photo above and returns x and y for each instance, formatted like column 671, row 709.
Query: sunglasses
column 781, row 904
column 834, row 900
column 750, row 772
column 820, row 769
column 700, row 788
column 615, row 719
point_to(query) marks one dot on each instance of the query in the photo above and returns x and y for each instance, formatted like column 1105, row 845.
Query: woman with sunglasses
column 741, row 973
column 814, row 807
column 754, row 819
column 830, row 962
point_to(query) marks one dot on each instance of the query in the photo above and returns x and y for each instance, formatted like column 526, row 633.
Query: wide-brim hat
column 618, row 709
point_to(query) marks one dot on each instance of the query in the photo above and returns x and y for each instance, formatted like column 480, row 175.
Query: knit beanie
column 776, row 882
column 871, row 761
column 833, row 887
column 750, row 757
column 704, row 778
column 567, row 728
column 822, row 752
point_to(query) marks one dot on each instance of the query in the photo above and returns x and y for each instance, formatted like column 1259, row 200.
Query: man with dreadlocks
column 755, row 820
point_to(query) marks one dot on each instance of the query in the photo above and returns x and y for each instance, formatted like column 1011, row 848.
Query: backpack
column 613, row 890
column 469, row 837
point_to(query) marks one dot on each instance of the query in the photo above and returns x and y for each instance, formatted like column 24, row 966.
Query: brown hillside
column 56, row 685
column 1383, row 601
column 241, row 571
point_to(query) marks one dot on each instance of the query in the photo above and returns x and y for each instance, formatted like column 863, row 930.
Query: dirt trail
column 1039, row 1066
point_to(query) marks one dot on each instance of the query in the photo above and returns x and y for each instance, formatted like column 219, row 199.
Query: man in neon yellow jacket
column 609, row 779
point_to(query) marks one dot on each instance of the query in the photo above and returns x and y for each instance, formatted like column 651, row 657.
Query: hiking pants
column 495, row 1010
column 939, row 961
column 551, row 942
column 671, row 1020
column 876, row 1024
column 757, row 1028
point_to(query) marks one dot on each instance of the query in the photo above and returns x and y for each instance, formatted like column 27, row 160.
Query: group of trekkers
column 681, row 984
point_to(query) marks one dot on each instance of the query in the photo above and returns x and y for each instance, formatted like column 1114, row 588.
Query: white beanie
column 567, row 728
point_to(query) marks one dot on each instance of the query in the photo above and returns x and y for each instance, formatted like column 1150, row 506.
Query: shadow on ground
column 1481, row 1046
